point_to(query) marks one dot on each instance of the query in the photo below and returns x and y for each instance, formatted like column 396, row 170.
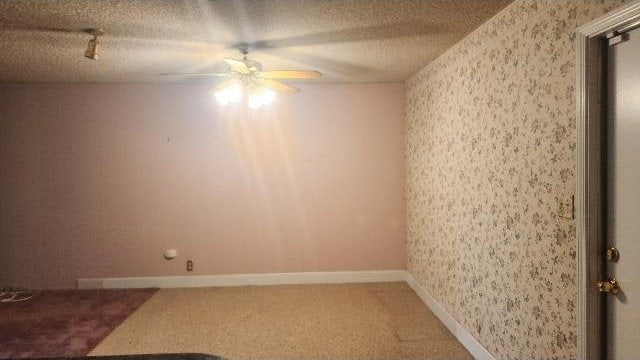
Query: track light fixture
column 93, row 47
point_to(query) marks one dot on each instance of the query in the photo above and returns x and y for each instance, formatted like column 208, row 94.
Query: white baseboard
column 333, row 277
column 475, row 348
column 467, row 340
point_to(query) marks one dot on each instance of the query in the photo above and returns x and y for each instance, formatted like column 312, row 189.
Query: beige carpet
column 341, row 321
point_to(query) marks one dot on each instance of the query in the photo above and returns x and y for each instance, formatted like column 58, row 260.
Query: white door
column 622, row 167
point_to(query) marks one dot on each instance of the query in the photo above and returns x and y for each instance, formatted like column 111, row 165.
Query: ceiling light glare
column 268, row 96
column 261, row 98
column 229, row 94
column 255, row 101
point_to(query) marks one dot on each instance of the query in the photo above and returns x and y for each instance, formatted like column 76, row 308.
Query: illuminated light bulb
column 261, row 97
column 255, row 101
column 234, row 93
column 268, row 96
column 229, row 94
column 256, row 97
column 221, row 97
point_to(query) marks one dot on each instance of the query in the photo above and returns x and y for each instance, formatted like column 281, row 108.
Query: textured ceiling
column 348, row 41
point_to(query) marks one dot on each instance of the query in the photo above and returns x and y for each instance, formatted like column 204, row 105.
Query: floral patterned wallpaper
column 491, row 148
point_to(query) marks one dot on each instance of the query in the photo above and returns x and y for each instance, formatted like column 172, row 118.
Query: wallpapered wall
column 491, row 148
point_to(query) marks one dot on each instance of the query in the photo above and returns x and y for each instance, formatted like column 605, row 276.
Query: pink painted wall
column 99, row 180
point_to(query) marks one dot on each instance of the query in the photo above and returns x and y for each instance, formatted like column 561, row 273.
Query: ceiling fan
column 246, row 78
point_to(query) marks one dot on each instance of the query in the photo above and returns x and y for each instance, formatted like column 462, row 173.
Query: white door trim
column 589, row 40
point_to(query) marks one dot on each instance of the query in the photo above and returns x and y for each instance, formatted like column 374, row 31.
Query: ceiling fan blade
column 366, row 33
column 196, row 74
column 237, row 66
column 289, row 74
column 278, row 86
column 319, row 61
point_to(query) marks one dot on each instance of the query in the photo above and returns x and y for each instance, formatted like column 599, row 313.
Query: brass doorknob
column 612, row 254
column 609, row 285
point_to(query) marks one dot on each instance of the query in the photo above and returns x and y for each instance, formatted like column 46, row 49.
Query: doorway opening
column 600, row 294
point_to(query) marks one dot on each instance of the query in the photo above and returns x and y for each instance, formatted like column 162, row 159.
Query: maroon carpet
column 64, row 322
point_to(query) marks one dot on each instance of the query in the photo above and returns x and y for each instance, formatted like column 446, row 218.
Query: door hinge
column 612, row 254
column 614, row 38
column 622, row 34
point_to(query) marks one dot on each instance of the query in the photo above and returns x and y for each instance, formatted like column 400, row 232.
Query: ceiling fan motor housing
column 253, row 65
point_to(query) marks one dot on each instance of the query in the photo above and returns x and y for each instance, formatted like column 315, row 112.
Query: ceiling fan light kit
column 229, row 94
column 247, row 81
column 256, row 96
column 261, row 97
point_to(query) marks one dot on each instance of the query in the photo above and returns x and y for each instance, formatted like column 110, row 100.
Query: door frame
column 590, row 40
